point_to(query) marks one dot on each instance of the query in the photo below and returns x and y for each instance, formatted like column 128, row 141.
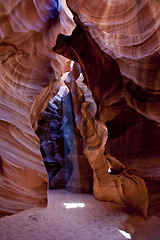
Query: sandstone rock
column 128, row 31
column 117, row 46
column 29, row 73
column 124, row 188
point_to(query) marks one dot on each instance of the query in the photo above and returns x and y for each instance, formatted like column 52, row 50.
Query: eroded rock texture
column 116, row 44
column 51, row 130
column 127, row 33
column 29, row 73
column 62, row 146
column 120, row 186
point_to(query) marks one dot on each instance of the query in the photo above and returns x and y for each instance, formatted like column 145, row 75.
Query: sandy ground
column 88, row 219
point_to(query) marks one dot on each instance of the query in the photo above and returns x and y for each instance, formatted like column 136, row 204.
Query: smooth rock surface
column 122, row 186
column 117, row 45
column 29, row 78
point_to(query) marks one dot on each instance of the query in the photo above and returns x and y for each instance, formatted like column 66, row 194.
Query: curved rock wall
column 28, row 30
column 120, row 185
column 117, row 46
column 128, row 31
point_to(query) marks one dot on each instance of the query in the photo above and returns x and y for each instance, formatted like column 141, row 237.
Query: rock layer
column 129, row 31
column 117, row 46
column 121, row 187
column 29, row 73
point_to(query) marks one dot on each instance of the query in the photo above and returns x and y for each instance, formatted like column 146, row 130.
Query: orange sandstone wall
column 28, row 30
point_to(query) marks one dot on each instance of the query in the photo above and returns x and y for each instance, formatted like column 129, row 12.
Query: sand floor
column 86, row 219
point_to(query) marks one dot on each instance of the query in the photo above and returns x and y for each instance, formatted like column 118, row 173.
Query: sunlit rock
column 129, row 32
column 116, row 44
column 29, row 73
column 123, row 188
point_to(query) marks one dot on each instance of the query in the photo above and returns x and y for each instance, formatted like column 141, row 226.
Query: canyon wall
column 117, row 46
column 29, row 73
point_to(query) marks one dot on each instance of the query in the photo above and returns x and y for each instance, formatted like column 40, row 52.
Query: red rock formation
column 100, row 71
column 117, row 46
column 28, row 30
column 121, row 187
column 129, row 32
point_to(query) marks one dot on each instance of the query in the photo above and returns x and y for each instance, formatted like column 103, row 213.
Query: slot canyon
column 79, row 119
